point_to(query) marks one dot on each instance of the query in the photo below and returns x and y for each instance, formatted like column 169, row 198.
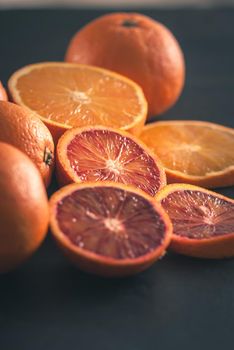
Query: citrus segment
column 196, row 152
column 106, row 154
column 138, row 47
column 119, row 216
column 109, row 229
column 70, row 95
column 203, row 221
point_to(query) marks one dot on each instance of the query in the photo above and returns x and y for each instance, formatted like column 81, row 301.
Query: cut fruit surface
column 203, row 221
column 70, row 95
column 106, row 154
column 195, row 152
column 109, row 229
column 138, row 47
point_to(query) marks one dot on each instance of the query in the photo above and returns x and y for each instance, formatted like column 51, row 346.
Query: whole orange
column 3, row 94
column 24, row 130
column 23, row 208
column 138, row 47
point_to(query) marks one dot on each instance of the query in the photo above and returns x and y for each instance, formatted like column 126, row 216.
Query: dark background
column 179, row 303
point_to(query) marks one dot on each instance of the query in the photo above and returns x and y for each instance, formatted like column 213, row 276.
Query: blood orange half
column 203, row 221
column 109, row 229
column 106, row 154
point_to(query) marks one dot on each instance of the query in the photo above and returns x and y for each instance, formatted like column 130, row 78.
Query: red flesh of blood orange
column 203, row 221
column 101, row 154
column 109, row 229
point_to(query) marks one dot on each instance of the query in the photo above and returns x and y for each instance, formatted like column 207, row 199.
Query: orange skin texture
column 64, row 173
column 101, row 265
column 147, row 53
column 24, row 210
column 55, row 130
column 218, row 247
column 3, row 94
column 24, row 130
column 215, row 248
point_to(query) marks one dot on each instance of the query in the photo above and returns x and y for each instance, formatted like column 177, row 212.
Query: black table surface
column 180, row 302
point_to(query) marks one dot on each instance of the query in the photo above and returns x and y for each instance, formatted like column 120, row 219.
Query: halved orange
column 109, row 229
column 202, row 220
column 200, row 153
column 69, row 95
column 106, row 154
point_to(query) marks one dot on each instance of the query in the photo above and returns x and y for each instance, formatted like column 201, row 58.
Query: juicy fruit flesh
column 199, row 215
column 79, row 97
column 192, row 149
column 110, row 222
column 103, row 155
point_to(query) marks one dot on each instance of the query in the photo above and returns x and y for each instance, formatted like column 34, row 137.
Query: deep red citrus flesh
column 98, row 155
column 110, row 222
column 199, row 215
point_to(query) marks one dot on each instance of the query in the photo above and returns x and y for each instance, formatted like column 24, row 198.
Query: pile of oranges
column 82, row 122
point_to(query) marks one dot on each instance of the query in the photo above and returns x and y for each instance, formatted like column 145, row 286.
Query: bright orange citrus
column 138, row 47
column 69, row 95
column 24, row 213
column 24, row 130
column 195, row 152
